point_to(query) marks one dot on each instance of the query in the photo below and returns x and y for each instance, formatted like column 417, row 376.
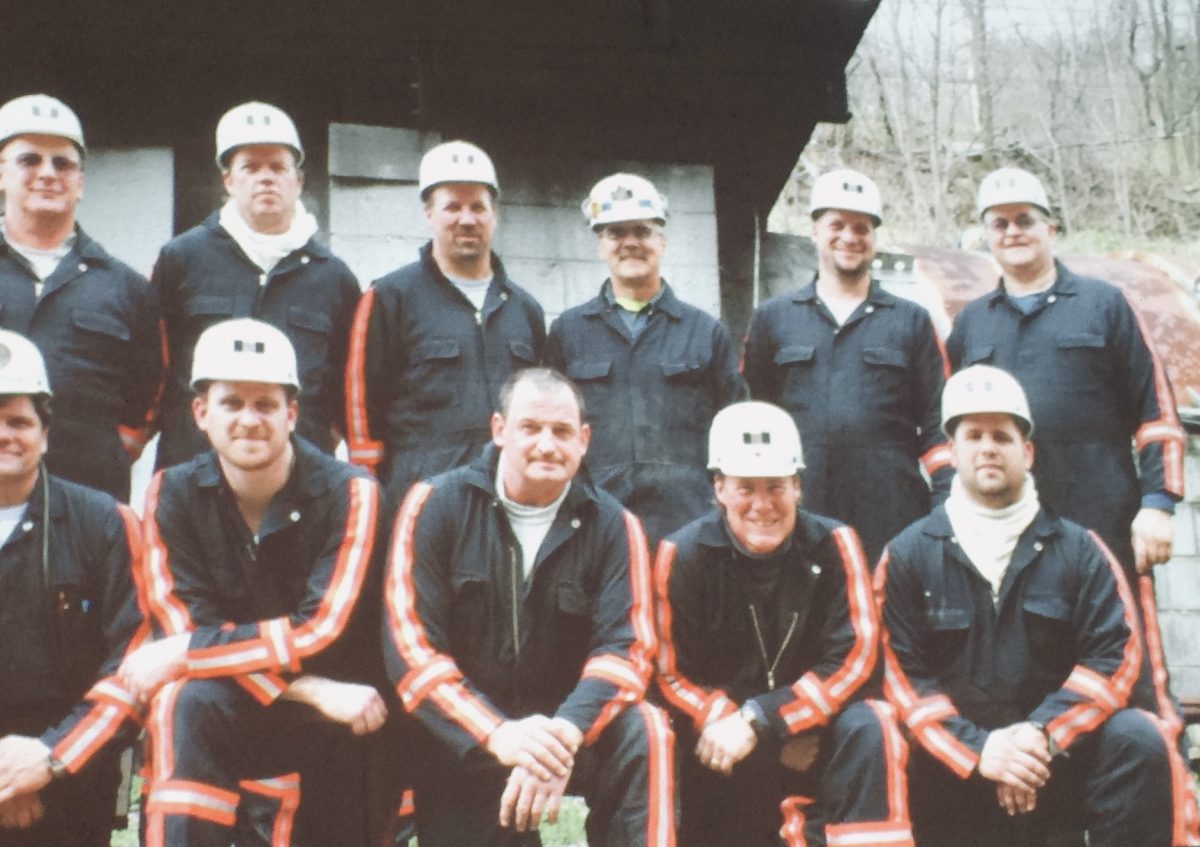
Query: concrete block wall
column 1177, row 585
column 128, row 202
column 376, row 222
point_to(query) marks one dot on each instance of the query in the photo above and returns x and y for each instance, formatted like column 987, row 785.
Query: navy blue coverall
column 795, row 633
column 1096, row 386
column 1057, row 647
column 261, row 610
column 650, row 399
column 203, row 277
column 426, row 369
column 472, row 642
column 866, row 397
column 97, row 326
column 68, row 615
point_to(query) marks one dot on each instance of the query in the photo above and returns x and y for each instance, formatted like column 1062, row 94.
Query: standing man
column 769, row 641
column 653, row 369
column 520, row 635
column 68, row 613
column 95, row 320
column 434, row 341
column 859, row 369
column 258, row 553
column 1096, row 387
column 258, row 256
column 1011, row 650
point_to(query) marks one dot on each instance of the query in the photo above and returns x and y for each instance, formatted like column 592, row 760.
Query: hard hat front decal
column 756, row 438
column 5, row 356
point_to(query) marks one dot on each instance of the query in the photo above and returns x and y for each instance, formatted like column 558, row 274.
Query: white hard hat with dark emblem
column 754, row 439
column 981, row 390
column 256, row 123
column 244, row 350
column 40, row 114
column 22, row 368
column 848, row 191
column 1005, row 186
column 456, row 161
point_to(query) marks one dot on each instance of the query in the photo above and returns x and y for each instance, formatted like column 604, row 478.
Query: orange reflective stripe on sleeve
column 363, row 449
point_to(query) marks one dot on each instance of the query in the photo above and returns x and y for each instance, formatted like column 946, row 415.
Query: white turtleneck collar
column 989, row 536
column 267, row 249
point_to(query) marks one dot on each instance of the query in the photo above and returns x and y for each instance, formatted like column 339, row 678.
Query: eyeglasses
column 1023, row 222
column 61, row 164
column 619, row 232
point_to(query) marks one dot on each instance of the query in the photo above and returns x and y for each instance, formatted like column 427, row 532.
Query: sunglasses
column 61, row 164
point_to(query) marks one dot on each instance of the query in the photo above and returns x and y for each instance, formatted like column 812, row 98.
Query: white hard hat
column 624, row 197
column 244, row 350
column 22, row 369
column 256, row 123
column 754, row 439
column 1011, row 185
column 982, row 390
column 40, row 114
column 847, row 190
column 456, row 161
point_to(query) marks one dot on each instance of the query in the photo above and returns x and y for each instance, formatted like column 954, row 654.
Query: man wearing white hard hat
column 769, row 647
column 1011, row 652
column 68, row 614
column 95, row 320
column 435, row 340
column 258, row 552
column 654, row 369
column 860, row 370
column 1096, row 385
column 258, row 256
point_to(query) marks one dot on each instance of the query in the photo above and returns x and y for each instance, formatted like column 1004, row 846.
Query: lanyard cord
column 45, row 525
column 762, row 647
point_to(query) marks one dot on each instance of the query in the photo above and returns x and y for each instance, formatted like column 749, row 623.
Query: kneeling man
column 521, row 637
column 1011, row 651
column 258, row 551
column 769, row 640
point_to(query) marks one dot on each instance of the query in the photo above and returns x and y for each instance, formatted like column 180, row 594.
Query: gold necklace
column 762, row 647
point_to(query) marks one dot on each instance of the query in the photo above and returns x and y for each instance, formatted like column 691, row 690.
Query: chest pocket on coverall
column 310, row 335
column 686, row 401
column 435, row 362
column 945, row 644
column 1049, row 633
column 796, row 366
column 593, row 380
column 887, row 370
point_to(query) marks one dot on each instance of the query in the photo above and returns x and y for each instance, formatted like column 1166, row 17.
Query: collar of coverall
column 877, row 295
column 85, row 246
column 938, row 524
column 303, row 481
column 665, row 300
column 33, row 507
column 1065, row 283
column 425, row 256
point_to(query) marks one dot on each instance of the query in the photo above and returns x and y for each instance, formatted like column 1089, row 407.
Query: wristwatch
column 57, row 769
column 752, row 714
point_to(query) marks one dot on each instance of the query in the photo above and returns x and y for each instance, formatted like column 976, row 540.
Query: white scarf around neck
column 989, row 536
column 267, row 249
